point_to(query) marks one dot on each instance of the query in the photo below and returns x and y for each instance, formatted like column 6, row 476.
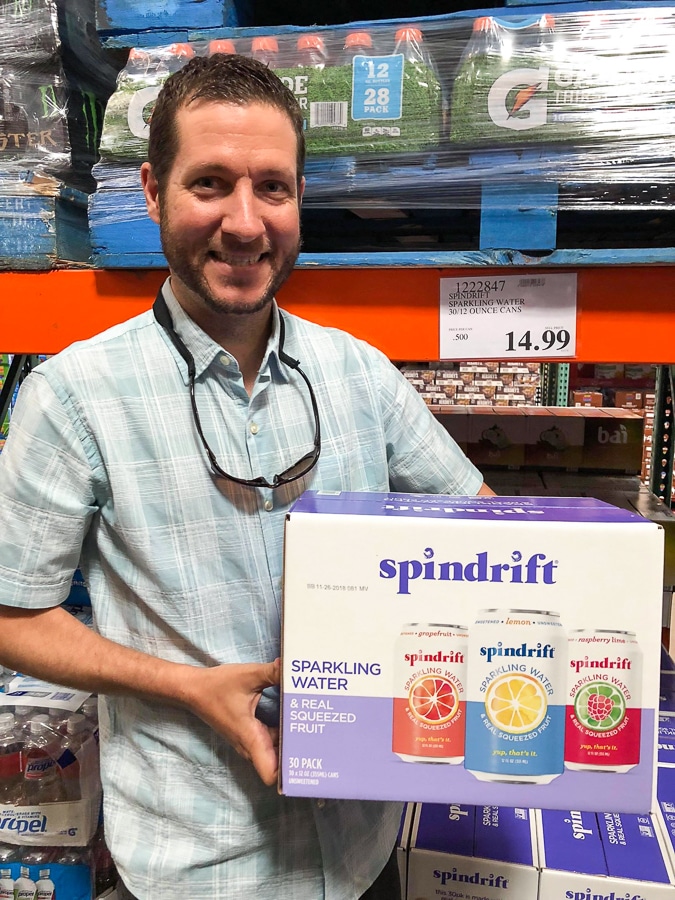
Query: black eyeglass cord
column 294, row 472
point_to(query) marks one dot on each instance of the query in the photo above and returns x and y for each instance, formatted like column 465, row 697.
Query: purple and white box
column 604, row 856
column 457, row 649
column 464, row 852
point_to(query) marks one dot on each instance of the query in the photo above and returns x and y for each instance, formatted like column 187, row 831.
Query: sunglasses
column 292, row 473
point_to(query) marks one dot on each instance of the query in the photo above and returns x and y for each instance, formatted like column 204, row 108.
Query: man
column 164, row 455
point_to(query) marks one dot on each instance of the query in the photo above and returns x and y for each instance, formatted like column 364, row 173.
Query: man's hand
column 227, row 697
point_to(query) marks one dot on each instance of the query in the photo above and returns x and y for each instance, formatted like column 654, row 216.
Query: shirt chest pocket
column 350, row 463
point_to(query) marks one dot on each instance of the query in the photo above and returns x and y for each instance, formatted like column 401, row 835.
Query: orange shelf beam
column 625, row 313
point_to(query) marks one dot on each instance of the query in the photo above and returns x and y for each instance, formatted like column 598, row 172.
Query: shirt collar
column 206, row 351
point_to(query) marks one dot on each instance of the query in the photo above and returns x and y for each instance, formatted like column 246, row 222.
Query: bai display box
column 464, row 852
column 484, row 650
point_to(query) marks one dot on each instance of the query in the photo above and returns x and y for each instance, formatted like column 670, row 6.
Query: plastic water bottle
column 357, row 43
column 57, row 719
column 312, row 52
column 23, row 715
column 9, row 853
column 45, row 886
column 177, row 56
column 105, row 871
column 38, row 856
column 24, row 886
column 89, row 710
column 410, row 42
column 10, row 760
column 77, row 732
column 6, row 885
column 492, row 100
column 41, row 777
column 266, row 50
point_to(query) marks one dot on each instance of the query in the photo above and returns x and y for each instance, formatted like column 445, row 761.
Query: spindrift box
column 463, row 852
column 484, row 650
column 604, row 856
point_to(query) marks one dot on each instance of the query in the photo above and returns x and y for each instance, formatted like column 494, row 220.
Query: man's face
column 229, row 213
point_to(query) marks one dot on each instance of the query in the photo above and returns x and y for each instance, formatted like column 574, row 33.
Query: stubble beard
column 192, row 276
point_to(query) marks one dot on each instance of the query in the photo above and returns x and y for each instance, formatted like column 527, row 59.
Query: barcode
column 531, row 282
column 646, row 831
column 328, row 114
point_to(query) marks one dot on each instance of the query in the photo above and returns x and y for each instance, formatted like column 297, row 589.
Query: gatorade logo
column 517, row 99
column 140, row 109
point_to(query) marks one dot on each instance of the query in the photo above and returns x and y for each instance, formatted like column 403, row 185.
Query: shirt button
column 225, row 359
column 253, row 428
column 321, row 803
column 269, row 506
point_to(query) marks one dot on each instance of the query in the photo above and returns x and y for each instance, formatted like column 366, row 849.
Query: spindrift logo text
column 491, row 880
column 536, row 569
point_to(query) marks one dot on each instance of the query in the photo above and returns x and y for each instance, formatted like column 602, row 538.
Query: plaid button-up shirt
column 103, row 467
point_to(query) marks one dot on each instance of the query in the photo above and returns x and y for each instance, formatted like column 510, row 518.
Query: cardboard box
column 403, row 845
column 613, row 441
column 497, row 437
column 587, row 398
column 611, row 856
column 553, row 440
column 465, row 851
column 665, row 809
column 360, row 566
column 628, row 399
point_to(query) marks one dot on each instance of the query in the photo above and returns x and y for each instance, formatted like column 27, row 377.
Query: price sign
column 509, row 317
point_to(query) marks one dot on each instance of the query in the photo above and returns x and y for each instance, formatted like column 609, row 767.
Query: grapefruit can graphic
column 516, row 681
column 604, row 697
column 429, row 712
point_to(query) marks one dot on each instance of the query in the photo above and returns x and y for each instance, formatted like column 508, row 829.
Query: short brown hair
column 226, row 78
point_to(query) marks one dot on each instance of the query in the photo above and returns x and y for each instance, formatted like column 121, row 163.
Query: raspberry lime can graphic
column 604, row 697
column 516, row 683
column 429, row 708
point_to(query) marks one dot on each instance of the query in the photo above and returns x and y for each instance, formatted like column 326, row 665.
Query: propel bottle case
column 484, row 650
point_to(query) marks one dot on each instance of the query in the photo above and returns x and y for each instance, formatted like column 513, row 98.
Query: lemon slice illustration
column 516, row 703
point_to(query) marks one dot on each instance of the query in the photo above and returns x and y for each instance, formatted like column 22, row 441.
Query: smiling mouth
column 237, row 261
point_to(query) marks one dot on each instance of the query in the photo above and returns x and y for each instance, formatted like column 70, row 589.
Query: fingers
column 229, row 706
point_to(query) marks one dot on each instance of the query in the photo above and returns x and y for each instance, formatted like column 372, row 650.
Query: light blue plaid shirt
column 103, row 464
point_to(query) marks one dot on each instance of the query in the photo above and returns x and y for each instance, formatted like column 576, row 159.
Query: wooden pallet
column 42, row 226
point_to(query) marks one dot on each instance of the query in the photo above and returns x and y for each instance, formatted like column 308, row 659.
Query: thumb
column 261, row 746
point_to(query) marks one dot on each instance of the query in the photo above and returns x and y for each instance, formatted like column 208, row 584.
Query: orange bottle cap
column 265, row 43
column 221, row 46
column 311, row 42
column 409, row 34
column 358, row 39
column 187, row 51
column 482, row 23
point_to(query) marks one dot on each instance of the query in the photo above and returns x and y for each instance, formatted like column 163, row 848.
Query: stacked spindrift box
column 54, row 82
column 415, row 129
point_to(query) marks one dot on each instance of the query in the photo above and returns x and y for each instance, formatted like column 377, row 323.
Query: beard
column 191, row 273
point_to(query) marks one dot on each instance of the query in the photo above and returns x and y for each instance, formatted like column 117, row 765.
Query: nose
column 242, row 216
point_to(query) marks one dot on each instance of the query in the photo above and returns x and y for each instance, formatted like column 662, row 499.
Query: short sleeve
column 423, row 457
column 46, row 498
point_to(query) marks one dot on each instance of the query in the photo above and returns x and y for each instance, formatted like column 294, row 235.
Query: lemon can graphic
column 604, row 701
column 429, row 706
column 516, row 691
